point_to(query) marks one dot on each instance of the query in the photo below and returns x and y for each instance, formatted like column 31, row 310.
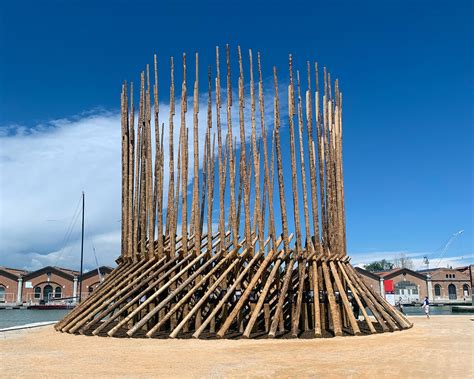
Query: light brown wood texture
column 211, row 253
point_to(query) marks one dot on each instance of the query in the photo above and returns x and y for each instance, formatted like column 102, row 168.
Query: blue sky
column 406, row 71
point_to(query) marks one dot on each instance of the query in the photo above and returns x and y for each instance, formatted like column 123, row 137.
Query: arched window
column 57, row 292
column 37, row 292
column 47, row 292
column 465, row 290
column 2, row 293
column 437, row 290
column 452, row 292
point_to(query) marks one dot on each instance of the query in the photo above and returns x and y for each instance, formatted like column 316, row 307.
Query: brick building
column 9, row 284
column 91, row 279
column 371, row 279
column 441, row 285
column 47, row 284
column 450, row 284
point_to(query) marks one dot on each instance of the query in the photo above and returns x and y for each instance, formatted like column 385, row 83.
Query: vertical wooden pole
column 157, row 171
column 136, row 213
column 294, row 175
column 184, row 160
column 125, row 158
column 149, row 171
column 230, row 151
column 267, row 174
column 210, row 165
column 278, row 312
column 220, row 153
column 243, row 154
column 320, row 154
column 143, row 172
column 169, row 219
column 131, row 162
column 196, row 212
column 281, row 183
column 302, row 263
column 256, row 159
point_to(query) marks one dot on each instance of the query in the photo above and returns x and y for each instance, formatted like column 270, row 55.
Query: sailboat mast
column 82, row 246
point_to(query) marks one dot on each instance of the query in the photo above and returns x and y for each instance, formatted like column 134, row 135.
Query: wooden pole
column 131, row 162
column 169, row 219
column 196, row 221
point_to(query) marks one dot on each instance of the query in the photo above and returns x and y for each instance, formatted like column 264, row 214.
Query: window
column 57, row 293
column 447, row 276
column 2, row 293
column 452, row 292
column 454, row 275
column 47, row 292
column 37, row 292
column 465, row 290
column 90, row 289
column 406, row 289
column 437, row 290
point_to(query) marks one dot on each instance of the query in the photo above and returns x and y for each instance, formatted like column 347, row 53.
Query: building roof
column 363, row 271
column 8, row 274
column 439, row 268
column 103, row 270
column 391, row 273
column 14, row 271
column 398, row 271
column 66, row 273
column 63, row 272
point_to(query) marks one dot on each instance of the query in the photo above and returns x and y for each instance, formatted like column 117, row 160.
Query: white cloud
column 44, row 169
column 360, row 259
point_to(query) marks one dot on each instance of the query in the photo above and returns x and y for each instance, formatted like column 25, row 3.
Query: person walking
column 399, row 305
column 426, row 307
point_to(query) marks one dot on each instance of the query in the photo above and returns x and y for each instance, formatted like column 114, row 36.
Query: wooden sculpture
column 235, row 272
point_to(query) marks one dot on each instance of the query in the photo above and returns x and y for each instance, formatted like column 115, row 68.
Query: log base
column 140, row 299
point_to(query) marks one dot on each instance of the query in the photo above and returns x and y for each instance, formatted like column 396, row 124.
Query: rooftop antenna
column 426, row 261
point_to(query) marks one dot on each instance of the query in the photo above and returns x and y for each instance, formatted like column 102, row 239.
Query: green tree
column 382, row 265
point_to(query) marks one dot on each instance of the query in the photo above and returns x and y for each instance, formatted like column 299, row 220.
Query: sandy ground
column 440, row 347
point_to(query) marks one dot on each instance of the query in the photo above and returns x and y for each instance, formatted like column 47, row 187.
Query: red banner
column 388, row 286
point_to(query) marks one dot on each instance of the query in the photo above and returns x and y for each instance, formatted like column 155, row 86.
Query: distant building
column 450, row 284
column 9, row 284
column 441, row 285
column 47, row 284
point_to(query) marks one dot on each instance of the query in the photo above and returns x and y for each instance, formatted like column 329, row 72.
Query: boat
column 51, row 306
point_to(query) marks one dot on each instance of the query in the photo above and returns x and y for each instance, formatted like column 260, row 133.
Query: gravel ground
column 442, row 346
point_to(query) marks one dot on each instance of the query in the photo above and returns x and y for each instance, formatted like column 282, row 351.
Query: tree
column 382, row 265
column 402, row 261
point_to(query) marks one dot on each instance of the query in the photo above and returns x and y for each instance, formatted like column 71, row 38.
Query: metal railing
column 8, row 297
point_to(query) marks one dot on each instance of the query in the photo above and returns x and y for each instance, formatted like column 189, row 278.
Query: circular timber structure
column 217, row 252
